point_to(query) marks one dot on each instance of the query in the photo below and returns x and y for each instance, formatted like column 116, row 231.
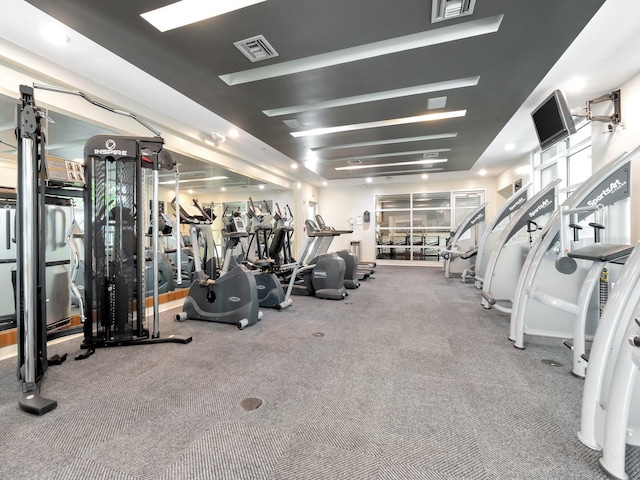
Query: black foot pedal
column 84, row 356
column 57, row 359
column 568, row 344
column 585, row 357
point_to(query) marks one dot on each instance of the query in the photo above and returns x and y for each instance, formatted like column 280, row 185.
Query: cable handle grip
column 252, row 209
column 7, row 210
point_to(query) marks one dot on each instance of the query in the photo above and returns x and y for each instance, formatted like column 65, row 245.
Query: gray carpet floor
column 411, row 379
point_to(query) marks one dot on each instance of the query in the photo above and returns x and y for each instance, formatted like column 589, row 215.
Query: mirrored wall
column 212, row 185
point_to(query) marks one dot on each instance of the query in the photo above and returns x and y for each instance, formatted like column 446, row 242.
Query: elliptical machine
column 322, row 275
column 230, row 298
column 280, row 249
column 270, row 291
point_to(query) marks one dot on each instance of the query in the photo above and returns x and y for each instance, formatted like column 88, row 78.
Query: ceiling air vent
column 293, row 124
column 448, row 9
column 430, row 154
column 256, row 48
column 355, row 161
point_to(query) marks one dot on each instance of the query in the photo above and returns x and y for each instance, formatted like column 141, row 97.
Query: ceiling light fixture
column 374, row 97
column 261, row 187
column 397, row 164
column 429, row 117
column 428, row 38
column 234, row 132
column 171, row 182
column 387, row 142
column 186, row 12
column 436, row 102
column 223, row 189
column 324, row 184
column 384, row 173
column 576, row 84
column 369, row 180
column 54, row 34
column 510, row 146
column 393, row 154
column 482, row 172
column 424, row 176
column 294, row 166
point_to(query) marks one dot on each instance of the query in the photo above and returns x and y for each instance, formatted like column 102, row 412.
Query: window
column 569, row 160
column 413, row 226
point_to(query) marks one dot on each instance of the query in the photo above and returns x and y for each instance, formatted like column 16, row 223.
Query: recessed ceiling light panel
column 186, row 12
column 429, row 117
column 433, row 153
column 377, row 96
column 396, row 164
column 390, row 141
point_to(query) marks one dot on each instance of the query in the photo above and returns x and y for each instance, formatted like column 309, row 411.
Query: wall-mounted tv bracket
column 613, row 120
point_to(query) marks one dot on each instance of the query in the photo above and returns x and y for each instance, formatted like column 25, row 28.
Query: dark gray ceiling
column 510, row 63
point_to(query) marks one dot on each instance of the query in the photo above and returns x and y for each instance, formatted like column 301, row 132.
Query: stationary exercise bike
column 231, row 298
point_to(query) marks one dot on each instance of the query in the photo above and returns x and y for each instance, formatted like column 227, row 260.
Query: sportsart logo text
column 110, row 149
column 612, row 188
column 520, row 201
column 544, row 204
column 478, row 218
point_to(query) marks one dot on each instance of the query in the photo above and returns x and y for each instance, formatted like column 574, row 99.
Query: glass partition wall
column 413, row 226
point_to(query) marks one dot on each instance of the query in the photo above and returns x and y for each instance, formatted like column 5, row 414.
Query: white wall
column 338, row 204
column 520, row 170
column 606, row 146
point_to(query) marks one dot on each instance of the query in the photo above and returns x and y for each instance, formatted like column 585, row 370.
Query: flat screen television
column 552, row 120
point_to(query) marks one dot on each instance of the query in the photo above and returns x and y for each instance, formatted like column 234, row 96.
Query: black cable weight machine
column 115, row 171
column 30, row 272
column 113, row 190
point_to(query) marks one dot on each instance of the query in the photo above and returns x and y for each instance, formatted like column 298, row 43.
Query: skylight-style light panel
column 395, row 164
column 429, row 117
column 376, row 96
column 390, row 172
column 186, row 12
column 390, row 141
column 371, row 50
column 392, row 154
